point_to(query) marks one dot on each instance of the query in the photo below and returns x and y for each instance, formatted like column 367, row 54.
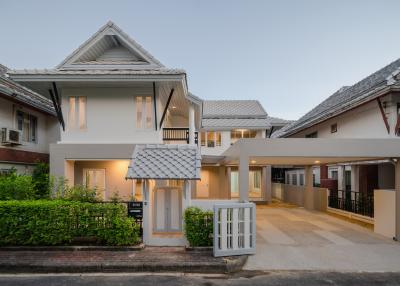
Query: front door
column 167, row 210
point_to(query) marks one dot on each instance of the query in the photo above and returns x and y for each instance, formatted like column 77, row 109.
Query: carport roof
column 307, row 151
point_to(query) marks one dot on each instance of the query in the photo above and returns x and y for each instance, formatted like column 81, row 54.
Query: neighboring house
column 367, row 109
column 223, row 123
column 28, row 125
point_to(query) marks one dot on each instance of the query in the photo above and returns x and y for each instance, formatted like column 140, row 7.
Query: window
column 312, row 135
column 211, row 139
column 77, row 113
column 334, row 128
column 27, row 124
column 334, row 174
column 301, row 179
column 242, row 133
column 144, row 112
column 294, row 179
column 287, row 179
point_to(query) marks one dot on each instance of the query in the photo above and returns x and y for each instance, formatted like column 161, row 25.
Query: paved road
column 297, row 239
column 246, row 278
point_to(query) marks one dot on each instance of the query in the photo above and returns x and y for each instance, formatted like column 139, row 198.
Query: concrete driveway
column 297, row 239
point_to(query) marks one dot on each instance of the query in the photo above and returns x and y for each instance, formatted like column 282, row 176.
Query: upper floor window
column 211, row 139
column 27, row 124
column 144, row 112
column 77, row 113
column 238, row 134
column 334, row 128
column 312, row 135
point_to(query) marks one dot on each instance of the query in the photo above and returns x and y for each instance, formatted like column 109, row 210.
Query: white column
column 146, row 212
column 355, row 178
column 341, row 178
column 187, row 194
column 192, row 127
column 244, row 178
column 228, row 175
column 308, row 192
column 267, row 182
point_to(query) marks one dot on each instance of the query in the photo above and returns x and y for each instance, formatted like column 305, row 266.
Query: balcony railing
column 178, row 134
column 355, row 202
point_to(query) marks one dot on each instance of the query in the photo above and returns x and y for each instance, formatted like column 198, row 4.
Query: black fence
column 179, row 134
column 355, row 202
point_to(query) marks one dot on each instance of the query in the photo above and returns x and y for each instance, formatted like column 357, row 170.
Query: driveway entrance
column 292, row 238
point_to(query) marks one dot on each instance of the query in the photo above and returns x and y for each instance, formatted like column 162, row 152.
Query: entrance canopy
column 311, row 151
column 162, row 162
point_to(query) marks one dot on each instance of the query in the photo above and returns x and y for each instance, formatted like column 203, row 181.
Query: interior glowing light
column 317, row 162
column 253, row 161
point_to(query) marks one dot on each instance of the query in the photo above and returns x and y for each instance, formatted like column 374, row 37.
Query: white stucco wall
column 47, row 126
column 363, row 122
column 110, row 116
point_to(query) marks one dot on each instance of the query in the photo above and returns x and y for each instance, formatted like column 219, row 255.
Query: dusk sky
column 290, row 55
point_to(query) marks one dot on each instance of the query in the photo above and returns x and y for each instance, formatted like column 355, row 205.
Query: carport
column 309, row 152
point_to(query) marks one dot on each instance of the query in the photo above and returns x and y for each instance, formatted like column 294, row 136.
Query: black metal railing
column 355, row 202
column 178, row 134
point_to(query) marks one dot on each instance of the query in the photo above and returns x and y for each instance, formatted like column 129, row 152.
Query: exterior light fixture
column 253, row 161
column 317, row 162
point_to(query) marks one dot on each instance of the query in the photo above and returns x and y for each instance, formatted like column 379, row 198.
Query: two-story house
column 28, row 124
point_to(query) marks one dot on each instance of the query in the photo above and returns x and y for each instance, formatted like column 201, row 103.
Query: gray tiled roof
column 230, row 123
column 22, row 94
column 275, row 121
column 159, row 71
column 165, row 162
column 233, row 109
column 345, row 98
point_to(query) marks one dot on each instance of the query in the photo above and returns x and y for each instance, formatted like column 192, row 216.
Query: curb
column 73, row 248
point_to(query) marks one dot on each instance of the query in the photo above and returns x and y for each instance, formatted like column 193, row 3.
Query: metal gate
column 234, row 229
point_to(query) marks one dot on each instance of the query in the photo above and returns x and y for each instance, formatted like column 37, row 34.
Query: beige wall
column 385, row 212
column 215, row 179
column 115, row 171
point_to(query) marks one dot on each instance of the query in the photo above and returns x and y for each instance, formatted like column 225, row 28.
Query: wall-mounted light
column 253, row 161
column 317, row 162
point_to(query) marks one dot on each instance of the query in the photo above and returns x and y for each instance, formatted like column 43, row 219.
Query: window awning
column 162, row 162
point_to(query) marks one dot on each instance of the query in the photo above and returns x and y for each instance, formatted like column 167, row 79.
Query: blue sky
column 290, row 55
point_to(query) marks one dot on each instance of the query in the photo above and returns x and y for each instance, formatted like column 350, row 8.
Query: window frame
column 144, row 121
column 334, row 128
column 23, row 117
column 77, row 116
column 216, row 139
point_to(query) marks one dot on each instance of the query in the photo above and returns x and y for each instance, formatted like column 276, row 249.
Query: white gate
column 234, row 229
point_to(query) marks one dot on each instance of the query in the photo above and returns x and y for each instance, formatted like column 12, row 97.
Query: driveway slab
column 296, row 239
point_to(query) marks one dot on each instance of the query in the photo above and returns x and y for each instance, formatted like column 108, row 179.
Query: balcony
column 179, row 134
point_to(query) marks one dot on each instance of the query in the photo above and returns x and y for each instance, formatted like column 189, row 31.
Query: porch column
column 308, row 191
column 244, row 178
column 187, row 194
column 267, row 182
column 146, row 212
column 355, row 178
column 341, row 178
column 228, row 175
column 191, row 124
column 397, row 203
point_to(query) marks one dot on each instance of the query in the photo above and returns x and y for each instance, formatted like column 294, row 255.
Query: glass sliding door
column 254, row 184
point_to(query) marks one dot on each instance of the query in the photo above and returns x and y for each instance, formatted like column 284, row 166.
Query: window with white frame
column 144, row 112
column 77, row 113
column 242, row 133
column 294, row 179
column 211, row 138
column 301, row 179
column 27, row 124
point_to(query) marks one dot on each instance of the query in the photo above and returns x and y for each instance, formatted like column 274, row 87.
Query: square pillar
column 341, row 178
column 191, row 124
column 355, row 178
column 308, row 191
column 146, row 212
column 266, row 184
column 244, row 178
column 397, row 195
column 228, row 175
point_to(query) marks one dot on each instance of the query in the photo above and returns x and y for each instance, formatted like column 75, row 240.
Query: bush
column 16, row 187
column 41, row 181
column 44, row 222
column 198, row 226
column 79, row 193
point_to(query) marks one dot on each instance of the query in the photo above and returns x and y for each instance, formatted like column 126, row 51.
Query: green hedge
column 44, row 222
column 16, row 187
column 199, row 227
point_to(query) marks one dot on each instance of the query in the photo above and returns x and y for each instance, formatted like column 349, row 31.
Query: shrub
column 16, row 187
column 56, row 222
column 198, row 226
column 79, row 193
column 41, row 181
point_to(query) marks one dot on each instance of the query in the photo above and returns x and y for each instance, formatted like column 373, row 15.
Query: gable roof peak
column 110, row 48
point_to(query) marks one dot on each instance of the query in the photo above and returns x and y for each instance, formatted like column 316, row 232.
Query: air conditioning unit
column 10, row 136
